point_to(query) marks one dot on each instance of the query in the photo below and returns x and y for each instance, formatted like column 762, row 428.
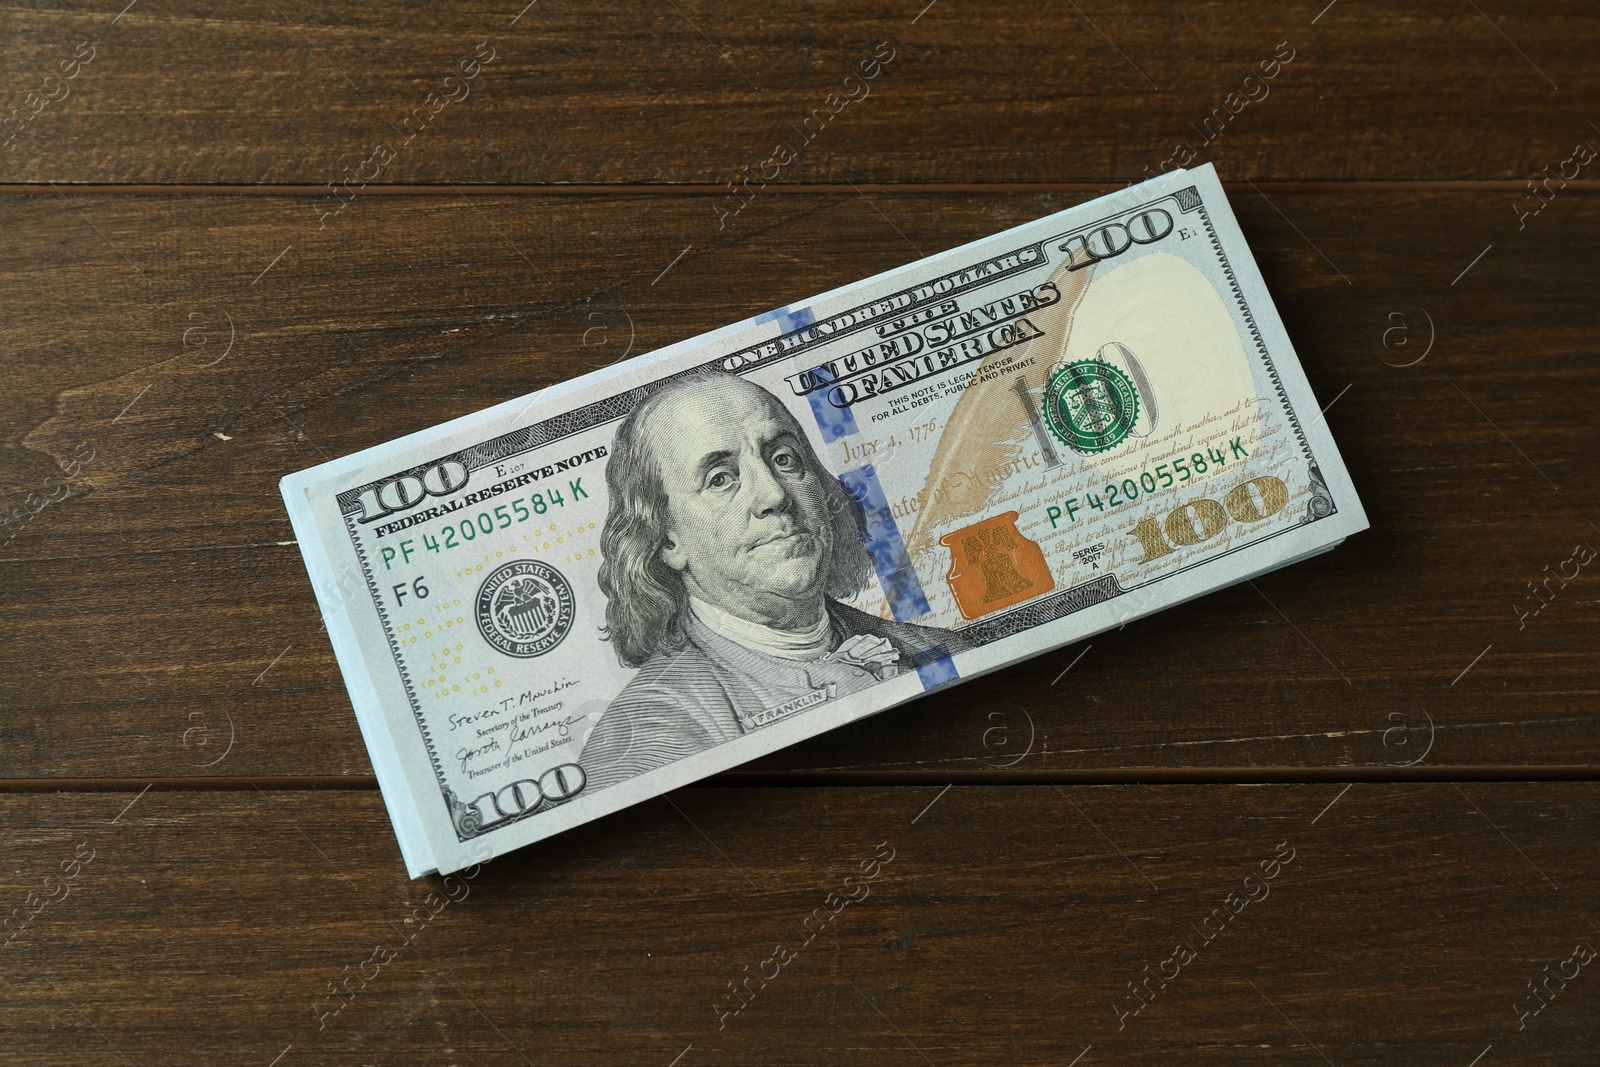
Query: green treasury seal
column 1091, row 406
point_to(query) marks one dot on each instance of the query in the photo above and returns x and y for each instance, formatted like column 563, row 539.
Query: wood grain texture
column 1005, row 929
column 692, row 92
column 162, row 611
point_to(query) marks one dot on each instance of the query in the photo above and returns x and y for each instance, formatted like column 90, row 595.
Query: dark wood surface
column 1005, row 929
column 186, row 320
column 689, row 92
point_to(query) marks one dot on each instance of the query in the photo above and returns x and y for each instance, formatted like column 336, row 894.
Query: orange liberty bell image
column 992, row 566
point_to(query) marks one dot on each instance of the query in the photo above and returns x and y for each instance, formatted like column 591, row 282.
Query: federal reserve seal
column 525, row 608
column 1091, row 406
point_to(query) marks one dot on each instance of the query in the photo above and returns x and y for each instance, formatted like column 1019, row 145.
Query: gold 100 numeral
column 1201, row 520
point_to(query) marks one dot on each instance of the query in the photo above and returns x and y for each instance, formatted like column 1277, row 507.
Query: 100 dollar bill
column 567, row 604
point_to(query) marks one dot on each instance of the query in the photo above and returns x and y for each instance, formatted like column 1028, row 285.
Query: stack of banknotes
column 573, row 602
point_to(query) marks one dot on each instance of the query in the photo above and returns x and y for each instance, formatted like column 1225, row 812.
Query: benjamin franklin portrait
column 727, row 552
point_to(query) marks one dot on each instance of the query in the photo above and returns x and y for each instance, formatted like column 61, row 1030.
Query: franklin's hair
column 645, row 598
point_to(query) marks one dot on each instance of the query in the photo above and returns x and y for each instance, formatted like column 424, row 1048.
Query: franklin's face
column 748, row 524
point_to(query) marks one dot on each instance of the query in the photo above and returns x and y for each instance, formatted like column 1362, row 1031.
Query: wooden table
column 1361, row 794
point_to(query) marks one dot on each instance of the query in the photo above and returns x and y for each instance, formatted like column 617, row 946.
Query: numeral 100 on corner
column 1200, row 520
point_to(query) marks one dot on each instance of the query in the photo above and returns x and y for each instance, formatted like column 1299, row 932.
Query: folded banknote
column 575, row 601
